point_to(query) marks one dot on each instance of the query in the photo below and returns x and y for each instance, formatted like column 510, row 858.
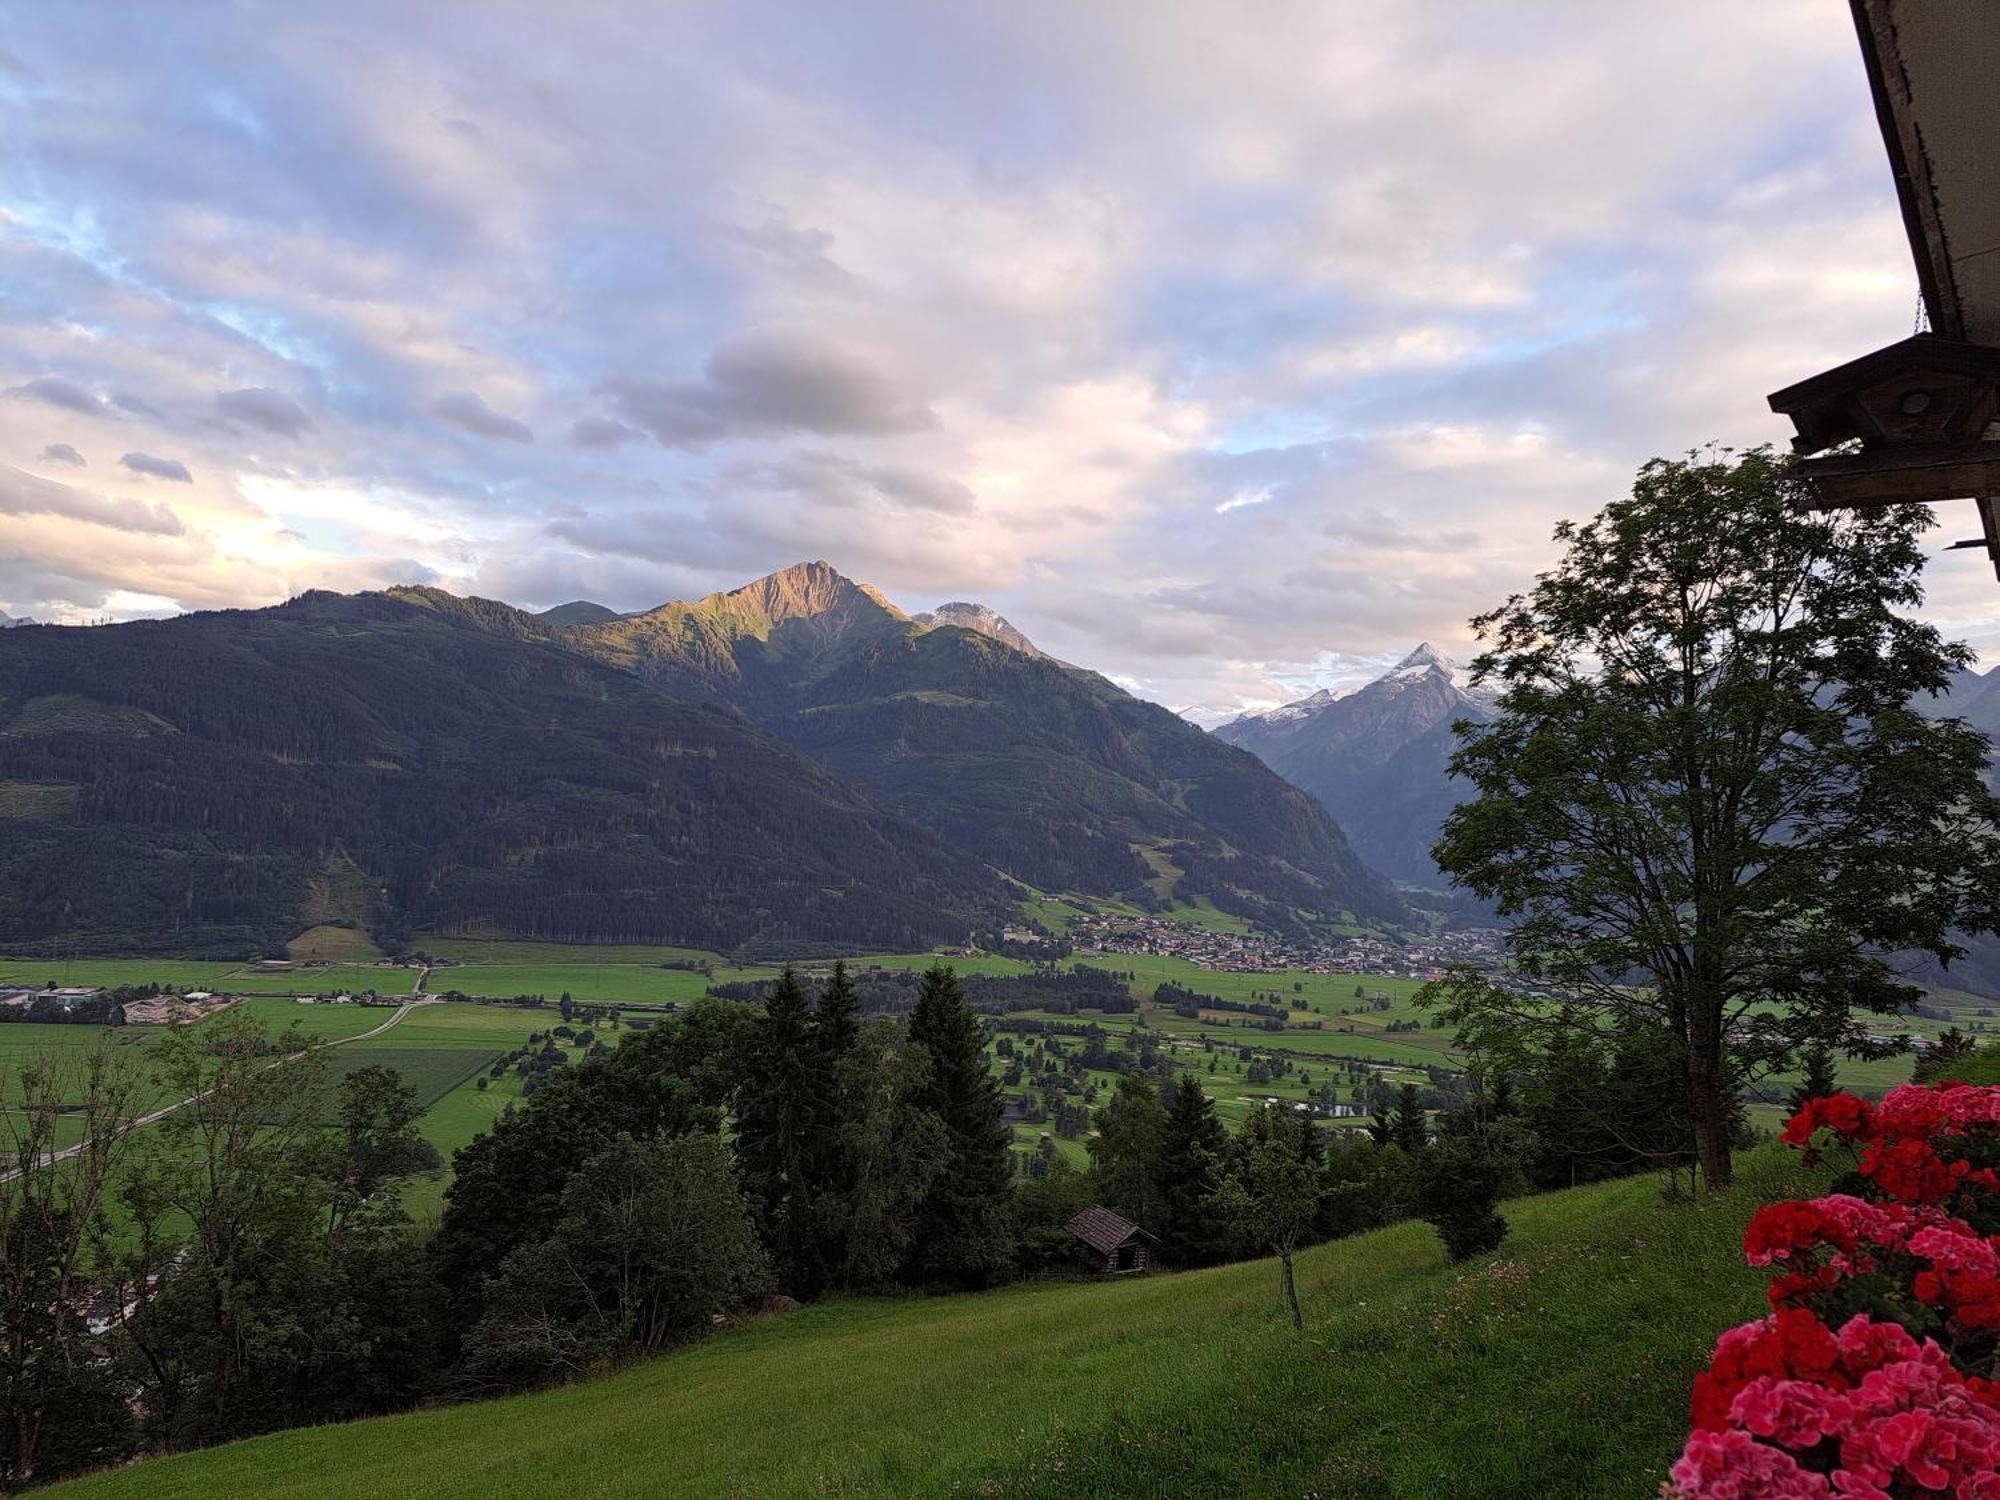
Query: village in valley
column 1253, row 952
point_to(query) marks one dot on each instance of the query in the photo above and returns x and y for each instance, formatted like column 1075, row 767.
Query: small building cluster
column 1256, row 953
column 67, row 996
column 168, row 1010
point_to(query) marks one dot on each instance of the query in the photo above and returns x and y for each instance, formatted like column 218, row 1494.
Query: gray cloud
column 770, row 383
column 159, row 468
column 832, row 478
column 264, row 409
column 133, row 405
column 468, row 410
column 56, row 391
column 61, row 453
column 24, row 494
column 602, row 432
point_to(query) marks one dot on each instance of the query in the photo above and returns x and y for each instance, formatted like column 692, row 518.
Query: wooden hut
column 1120, row 1246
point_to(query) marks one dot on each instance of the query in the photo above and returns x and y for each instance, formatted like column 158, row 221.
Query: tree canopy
column 1709, row 798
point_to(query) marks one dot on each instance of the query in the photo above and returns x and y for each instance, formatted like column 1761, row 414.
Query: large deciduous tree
column 655, row 1239
column 63, row 1409
column 677, row 1077
column 1709, row 799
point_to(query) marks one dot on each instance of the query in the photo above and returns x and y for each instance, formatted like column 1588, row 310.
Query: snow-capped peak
column 1428, row 659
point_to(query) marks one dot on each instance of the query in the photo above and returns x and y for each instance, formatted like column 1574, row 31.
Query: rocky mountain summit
column 1375, row 756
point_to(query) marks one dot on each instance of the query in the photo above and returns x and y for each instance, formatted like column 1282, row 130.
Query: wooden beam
column 1906, row 475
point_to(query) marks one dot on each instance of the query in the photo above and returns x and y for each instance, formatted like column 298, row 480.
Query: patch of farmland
column 432, row 1072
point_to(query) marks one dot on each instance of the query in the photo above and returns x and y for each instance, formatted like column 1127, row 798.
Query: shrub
column 1460, row 1183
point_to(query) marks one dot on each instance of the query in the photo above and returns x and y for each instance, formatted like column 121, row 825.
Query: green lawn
column 325, row 1022
column 1557, row 1370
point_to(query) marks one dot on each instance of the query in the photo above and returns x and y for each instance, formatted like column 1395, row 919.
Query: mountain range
column 1375, row 756
column 795, row 763
column 1047, row 772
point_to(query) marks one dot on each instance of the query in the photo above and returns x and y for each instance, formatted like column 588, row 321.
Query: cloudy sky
column 1229, row 350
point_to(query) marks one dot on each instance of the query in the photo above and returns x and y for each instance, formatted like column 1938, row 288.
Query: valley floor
column 1558, row 1368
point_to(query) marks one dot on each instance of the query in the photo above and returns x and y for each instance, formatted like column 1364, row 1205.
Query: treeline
column 882, row 992
column 863, row 1153
column 1189, row 1004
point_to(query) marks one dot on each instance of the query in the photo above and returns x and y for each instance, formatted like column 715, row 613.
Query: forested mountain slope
column 411, row 761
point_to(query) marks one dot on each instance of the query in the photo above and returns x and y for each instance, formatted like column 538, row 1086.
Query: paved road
column 417, row 999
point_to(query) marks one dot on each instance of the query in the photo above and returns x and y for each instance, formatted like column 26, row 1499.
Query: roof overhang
column 1917, row 421
column 1933, row 67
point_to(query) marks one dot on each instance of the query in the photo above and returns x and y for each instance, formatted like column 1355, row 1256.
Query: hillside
column 219, row 782
column 1375, row 757
column 1050, row 773
column 1413, row 1380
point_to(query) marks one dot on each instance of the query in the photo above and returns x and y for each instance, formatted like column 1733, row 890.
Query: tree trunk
column 27, row 1433
column 1708, row 1108
column 1291, row 1291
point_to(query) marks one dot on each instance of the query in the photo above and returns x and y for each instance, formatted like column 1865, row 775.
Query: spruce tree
column 1381, row 1129
column 778, row 1119
column 836, row 1015
column 1128, row 1151
column 962, row 1230
column 1408, row 1128
column 1191, row 1230
column 845, row 1080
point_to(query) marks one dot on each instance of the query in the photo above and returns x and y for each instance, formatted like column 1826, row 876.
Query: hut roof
column 1102, row 1230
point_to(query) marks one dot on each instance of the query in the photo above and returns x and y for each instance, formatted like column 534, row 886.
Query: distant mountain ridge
column 1047, row 772
column 981, row 619
column 1375, row 756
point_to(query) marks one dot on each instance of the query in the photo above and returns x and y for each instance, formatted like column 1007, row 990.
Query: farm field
column 430, row 1072
column 325, row 1022
column 1602, row 1304
column 205, row 974
column 23, row 1041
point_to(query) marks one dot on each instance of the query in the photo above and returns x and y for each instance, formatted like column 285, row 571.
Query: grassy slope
column 1561, row 1368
